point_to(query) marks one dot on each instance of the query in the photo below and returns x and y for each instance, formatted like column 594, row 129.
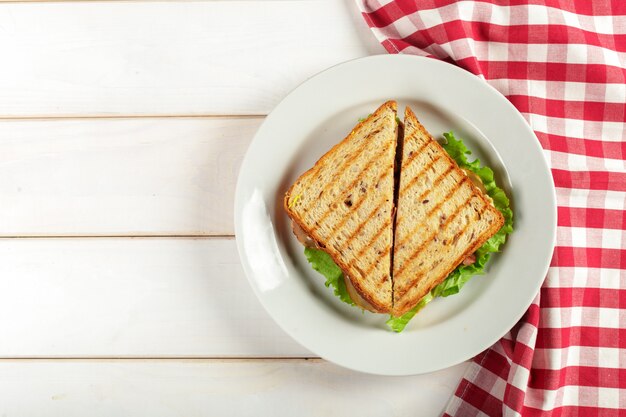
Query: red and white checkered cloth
column 562, row 63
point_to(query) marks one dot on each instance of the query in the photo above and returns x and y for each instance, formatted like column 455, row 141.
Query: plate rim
column 467, row 75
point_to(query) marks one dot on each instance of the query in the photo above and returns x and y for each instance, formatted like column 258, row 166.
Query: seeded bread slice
column 442, row 217
column 345, row 204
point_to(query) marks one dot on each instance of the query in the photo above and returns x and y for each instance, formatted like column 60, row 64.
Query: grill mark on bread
column 374, row 238
column 414, row 154
column 350, row 186
column 437, row 181
column 363, row 223
column 347, row 163
column 428, row 240
column 384, row 279
column 356, row 206
column 375, row 263
column 419, row 175
column 436, row 206
column 413, row 282
column 461, row 232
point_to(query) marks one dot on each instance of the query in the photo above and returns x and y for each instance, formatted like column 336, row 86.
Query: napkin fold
column 562, row 63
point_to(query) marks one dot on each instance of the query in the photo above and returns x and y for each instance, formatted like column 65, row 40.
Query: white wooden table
column 122, row 128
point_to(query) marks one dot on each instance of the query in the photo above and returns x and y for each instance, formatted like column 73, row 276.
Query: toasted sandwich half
column 345, row 205
column 442, row 217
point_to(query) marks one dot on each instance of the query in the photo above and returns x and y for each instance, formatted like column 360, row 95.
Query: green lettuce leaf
column 459, row 277
column 324, row 264
column 397, row 324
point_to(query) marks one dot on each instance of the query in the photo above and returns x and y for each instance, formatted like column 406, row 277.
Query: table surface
column 122, row 129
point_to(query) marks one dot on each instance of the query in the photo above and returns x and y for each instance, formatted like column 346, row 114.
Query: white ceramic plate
column 317, row 115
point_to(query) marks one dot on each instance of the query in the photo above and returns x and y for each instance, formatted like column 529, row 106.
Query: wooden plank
column 132, row 298
column 213, row 387
column 152, row 176
column 168, row 58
